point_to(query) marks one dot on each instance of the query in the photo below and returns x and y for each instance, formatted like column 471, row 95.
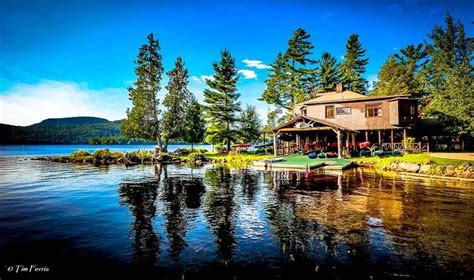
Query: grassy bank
column 422, row 164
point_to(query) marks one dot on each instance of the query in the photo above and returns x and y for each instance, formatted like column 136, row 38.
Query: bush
column 80, row 153
column 195, row 156
column 102, row 154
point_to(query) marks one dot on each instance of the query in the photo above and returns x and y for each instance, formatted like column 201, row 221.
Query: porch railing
column 418, row 147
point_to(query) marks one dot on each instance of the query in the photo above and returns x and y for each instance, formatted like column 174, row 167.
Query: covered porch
column 303, row 133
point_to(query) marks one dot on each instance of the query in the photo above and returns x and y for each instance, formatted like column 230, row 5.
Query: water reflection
column 351, row 224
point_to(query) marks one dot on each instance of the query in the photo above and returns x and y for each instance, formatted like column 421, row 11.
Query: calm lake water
column 199, row 223
column 62, row 150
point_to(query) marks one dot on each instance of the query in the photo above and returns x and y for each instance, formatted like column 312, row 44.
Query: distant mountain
column 72, row 121
column 76, row 130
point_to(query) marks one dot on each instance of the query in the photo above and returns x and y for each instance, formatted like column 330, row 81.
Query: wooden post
column 298, row 141
column 339, row 155
column 274, row 144
column 347, row 140
column 366, row 136
column 380, row 137
column 404, row 138
column 353, row 140
column 391, row 139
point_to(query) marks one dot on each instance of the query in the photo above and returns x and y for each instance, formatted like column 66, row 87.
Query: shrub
column 80, row 153
column 102, row 154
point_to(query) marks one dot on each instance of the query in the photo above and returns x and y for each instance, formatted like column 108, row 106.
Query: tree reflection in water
column 182, row 198
column 141, row 200
column 351, row 224
column 220, row 209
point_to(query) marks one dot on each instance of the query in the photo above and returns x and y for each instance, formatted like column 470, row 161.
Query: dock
column 302, row 162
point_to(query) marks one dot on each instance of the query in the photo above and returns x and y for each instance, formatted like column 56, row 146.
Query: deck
column 302, row 162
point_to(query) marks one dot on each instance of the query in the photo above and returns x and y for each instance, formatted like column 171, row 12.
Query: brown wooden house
column 342, row 119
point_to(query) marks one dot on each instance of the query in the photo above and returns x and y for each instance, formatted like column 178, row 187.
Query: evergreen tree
column 392, row 79
column 277, row 91
column 250, row 125
column 222, row 100
column 449, row 77
column 273, row 119
column 195, row 123
column 354, row 66
column 176, row 103
column 292, row 75
column 143, row 120
column 328, row 73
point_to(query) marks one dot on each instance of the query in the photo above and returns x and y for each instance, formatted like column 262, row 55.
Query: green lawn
column 304, row 160
column 412, row 158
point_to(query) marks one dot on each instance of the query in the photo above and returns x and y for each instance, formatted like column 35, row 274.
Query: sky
column 75, row 58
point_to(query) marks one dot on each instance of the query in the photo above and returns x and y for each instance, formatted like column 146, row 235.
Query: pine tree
column 277, row 91
column 292, row 74
column 195, row 123
column 449, row 77
column 222, row 100
column 392, row 79
column 143, row 120
column 328, row 73
column 250, row 125
column 354, row 66
column 176, row 103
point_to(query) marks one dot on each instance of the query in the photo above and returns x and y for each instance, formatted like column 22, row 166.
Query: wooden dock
column 302, row 162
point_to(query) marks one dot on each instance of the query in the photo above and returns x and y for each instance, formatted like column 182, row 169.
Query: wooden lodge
column 339, row 121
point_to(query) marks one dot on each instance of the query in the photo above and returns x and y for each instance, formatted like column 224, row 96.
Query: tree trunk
column 192, row 147
column 165, row 146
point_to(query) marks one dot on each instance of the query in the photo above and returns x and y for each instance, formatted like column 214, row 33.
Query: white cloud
column 248, row 74
column 205, row 78
column 255, row 64
column 26, row 104
column 195, row 79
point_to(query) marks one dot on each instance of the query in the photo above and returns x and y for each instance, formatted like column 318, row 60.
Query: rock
column 450, row 171
column 409, row 167
column 425, row 169
column 181, row 152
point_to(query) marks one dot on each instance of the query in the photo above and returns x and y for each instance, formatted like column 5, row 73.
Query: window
column 373, row 110
column 330, row 112
column 412, row 110
column 303, row 111
column 343, row 111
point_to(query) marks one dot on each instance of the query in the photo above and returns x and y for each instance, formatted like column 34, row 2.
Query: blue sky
column 69, row 58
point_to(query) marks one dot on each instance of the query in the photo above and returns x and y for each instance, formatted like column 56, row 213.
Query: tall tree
column 354, row 66
column 328, row 74
column 176, row 103
column 273, row 119
column 392, row 79
column 250, row 125
column 143, row 120
column 292, row 74
column 195, row 123
column 449, row 77
column 222, row 100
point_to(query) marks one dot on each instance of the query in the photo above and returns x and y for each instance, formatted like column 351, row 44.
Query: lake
column 62, row 150
column 210, row 222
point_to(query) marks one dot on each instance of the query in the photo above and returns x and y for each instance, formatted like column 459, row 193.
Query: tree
column 222, row 100
column 176, row 103
column 195, row 123
column 143, row 120
column 392, row 79
column 328, row 74
column 273, row 119
column 449, row 77
column 250, row 125
column 354, row 66
column 292, row 76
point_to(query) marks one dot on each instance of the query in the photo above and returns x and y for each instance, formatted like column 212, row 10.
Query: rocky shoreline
column 465, row 170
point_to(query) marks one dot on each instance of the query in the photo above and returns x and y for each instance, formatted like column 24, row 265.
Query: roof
column 323, row 122
column 346, row 96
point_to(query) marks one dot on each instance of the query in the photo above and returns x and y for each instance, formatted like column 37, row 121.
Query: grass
column 411, row 158
column 303, row 160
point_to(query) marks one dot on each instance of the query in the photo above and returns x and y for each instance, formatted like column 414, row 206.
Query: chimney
column 339, row 87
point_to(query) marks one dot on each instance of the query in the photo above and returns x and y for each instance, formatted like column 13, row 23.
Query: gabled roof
column 323, row 122
column 346, row 96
